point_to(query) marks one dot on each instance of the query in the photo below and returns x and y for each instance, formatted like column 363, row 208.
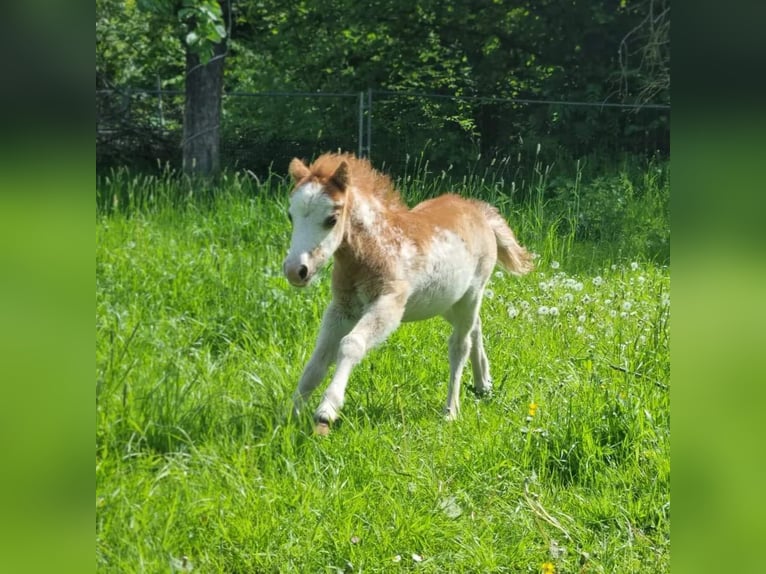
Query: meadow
column 200, row 342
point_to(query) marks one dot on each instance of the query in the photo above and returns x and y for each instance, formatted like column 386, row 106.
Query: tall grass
column 200, row 341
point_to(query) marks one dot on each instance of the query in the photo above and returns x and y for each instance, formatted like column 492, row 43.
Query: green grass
column 200, row 342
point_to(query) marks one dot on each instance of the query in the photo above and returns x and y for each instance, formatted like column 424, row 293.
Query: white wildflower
column 567, row 297
column 554, row 311
column 489, row 293
column 513, row 312
column 524, row 305
column 555, row 265
column 597, row 280
column 634, row 265
column 612, row 313
column 626, row 305
column 581, row 318
column 623, row 314
column 580, row 329
column 543, row 310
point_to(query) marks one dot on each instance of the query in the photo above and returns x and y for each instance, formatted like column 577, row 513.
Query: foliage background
column 474, row 60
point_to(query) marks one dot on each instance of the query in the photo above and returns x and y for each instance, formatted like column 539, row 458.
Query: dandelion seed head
column 554, row 311
column 555, row 265
column 543, row 310
column 597, row 280
column 513, row 312
column 626, row 305
column 489, row 293
column 612, row 313
column 581, row 318
column 634, row 265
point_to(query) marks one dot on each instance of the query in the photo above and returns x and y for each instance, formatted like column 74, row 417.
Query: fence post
column 369, row 122
column 365, row 123
column 159, row 102
column 360, row 147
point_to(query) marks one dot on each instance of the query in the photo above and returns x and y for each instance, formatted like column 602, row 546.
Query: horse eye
column 331, row 221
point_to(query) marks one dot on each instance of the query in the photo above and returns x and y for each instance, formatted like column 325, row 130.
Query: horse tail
column 512, row 256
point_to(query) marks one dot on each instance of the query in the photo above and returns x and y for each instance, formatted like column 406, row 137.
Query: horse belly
column 442, row 287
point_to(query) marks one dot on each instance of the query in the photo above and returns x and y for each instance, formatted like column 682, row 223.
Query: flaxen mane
column 362, row 176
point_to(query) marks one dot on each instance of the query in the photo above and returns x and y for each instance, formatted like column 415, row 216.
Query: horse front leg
column 335, row 325
column 380, row 319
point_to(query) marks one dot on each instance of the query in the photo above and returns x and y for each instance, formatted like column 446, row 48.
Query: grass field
column 200, row 342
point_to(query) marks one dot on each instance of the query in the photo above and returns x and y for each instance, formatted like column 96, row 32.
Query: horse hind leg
column 482, row 381
column 462, row 316
column 459, row 347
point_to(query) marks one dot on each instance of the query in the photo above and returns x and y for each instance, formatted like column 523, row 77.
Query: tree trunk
column 202, row 113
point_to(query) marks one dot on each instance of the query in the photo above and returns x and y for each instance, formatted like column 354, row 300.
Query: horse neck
column 367, row 229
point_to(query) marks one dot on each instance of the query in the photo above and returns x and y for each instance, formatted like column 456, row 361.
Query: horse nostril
column 303, row 271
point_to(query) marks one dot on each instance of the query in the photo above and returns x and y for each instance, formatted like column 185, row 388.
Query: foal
column 392, row 264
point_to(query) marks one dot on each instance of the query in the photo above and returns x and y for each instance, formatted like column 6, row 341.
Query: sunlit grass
column 200, row 341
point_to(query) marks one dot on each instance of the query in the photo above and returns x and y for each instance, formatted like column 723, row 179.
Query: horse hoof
column 450, row 416
column 322, row 428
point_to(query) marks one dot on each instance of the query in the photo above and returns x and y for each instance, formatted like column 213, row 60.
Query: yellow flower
column 532, row 408
column 548, row 568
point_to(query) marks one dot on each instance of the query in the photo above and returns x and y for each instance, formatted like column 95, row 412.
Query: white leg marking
column 482, row 381
column 334, row 326
column 379, row 321
column 459, row 346
column 463, row 316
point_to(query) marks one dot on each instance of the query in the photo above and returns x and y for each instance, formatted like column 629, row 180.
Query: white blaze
column 312, row 243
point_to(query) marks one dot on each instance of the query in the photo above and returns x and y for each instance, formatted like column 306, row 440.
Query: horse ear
column 298, row 170
column 340, row 177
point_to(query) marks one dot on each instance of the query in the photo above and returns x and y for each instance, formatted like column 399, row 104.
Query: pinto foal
column 392, row 264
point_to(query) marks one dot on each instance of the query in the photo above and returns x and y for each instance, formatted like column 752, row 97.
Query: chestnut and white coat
column 392, row 264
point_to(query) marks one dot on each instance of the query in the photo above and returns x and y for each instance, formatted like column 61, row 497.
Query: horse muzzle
column 298, row 274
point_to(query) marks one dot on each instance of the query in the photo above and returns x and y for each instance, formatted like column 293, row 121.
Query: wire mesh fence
column 142, row 129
